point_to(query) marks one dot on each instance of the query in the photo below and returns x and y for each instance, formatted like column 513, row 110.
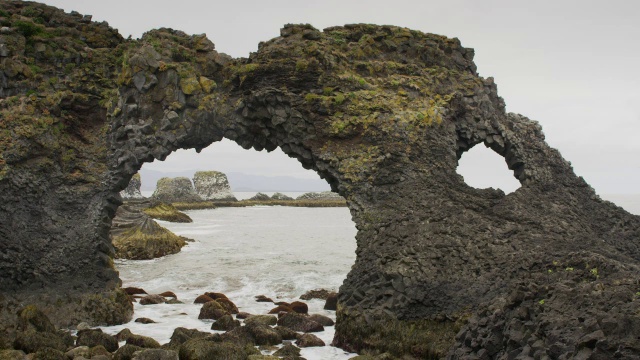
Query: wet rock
column 134, row 291
column 181, row 335
column 83, row 326
column 280, row 308
column 126, row 352
column 332, row 302
column 95, row 337
column 201, row 299
column 30, row 317
column 123, row 335
column 212, row 310
column 12, row 355
column 322, row 294
column 166, row 212
column 31, row 341
column 198, row 349
column 144, row 320
column 143, row 341
column 167, row 294
column 263, row 334
column 99, row 350
column 225, row 323
column 213, row 185
column 174, row 301
column 299, row 307
column 49, row 354
column 288, row 350
column 216, row 296
column 321, row 319
column 286, row 333
column 243, row 315
column 227, row 305
column 155, row 354
column 309, row 340
column 299, row 322
column 178, row 189
column 133, row 189
column 263, row 298
column 152, row 300
column 83, row 351
column 261, row 319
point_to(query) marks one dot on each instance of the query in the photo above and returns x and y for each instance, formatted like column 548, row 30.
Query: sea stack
column 132, row 192
column 179, row 189
column 213, row 185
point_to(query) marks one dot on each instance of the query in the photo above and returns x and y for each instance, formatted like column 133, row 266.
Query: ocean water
column 277, row 251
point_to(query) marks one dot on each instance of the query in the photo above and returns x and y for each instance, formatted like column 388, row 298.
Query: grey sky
column 572, row 65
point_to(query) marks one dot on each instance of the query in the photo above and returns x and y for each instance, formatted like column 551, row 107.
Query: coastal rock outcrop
column 179, row 189
column 324, row 195
column 136, row 236
column 382, row 113
column 132, row 192
column 213, row 185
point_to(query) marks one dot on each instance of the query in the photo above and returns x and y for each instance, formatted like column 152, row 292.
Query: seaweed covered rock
column 132, row 192
column 260, row 197
column 281, row 196
column 167, row 212
column 324, row 195
column 179, row 189
column 135, row 235
column 213, row 185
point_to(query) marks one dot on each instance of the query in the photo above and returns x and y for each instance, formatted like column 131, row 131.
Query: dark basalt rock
column 299, row 322
column 309, row 340
column 382, row 113
column 132, row 192
column 95, row 337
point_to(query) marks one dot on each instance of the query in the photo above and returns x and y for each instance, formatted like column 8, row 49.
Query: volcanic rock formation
column 132, row 192
column 383, row 114
column 213, row 185
column 179, row 189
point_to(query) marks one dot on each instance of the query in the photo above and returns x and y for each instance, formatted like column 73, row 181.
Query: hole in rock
column 242, row 251
column 483, row 168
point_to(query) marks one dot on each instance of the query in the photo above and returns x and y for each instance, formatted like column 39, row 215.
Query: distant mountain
column 243, row 182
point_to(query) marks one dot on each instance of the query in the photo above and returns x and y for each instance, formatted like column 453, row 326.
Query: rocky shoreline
column 280, row 333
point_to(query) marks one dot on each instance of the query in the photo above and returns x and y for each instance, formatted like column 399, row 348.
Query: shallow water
column 278, row 251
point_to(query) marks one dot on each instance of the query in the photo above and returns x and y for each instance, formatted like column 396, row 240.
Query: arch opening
column 278, row 251
column 481, row 167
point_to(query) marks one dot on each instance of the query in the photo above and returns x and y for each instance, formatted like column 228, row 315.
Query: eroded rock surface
column 383, row 114
column 213, row 185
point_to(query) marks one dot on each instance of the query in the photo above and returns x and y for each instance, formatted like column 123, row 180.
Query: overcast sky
column 574, row 66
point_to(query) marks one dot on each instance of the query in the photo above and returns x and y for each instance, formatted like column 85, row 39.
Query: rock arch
column 382, row 113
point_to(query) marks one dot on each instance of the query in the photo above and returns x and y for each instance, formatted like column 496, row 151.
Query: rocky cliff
column 383, row 114
column 132, row 192
column 213, row 185
column 179, row 189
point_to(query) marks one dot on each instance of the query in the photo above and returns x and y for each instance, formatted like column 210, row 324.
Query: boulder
column 263, row 298
column 123, row 335
column 95, row 337
column 199, row 349
column 299, row 322
column 286, row 333
column 12, row 355
column 322, row 320
column 181, row 335
column 322, row 294
column 242, row 315
column 83, row 351
column 254, row 334
column 228, row 305
column 299, row 307
column 144, row 320
column 216, row 296
column 126, row 352
column 152, row 300
column 155, row 354
column 134, row 291
column 31, row 341
column 225, row 323
column 287, row 351
column 30, row 317
column 49, row 354
column 212, row 310
column 132, row 191
column 309, row 340
column 202, row 299
column 143, row 341
column 213, row 185
column 280, row 308
column 167, row 294
column 179, row 189
column 332, row 302
column 261, row 319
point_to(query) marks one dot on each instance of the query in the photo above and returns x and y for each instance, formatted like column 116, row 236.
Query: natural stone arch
column 381, row 112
